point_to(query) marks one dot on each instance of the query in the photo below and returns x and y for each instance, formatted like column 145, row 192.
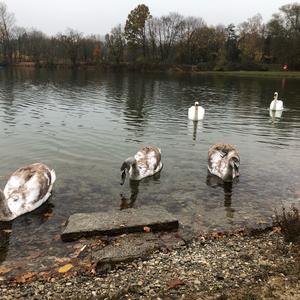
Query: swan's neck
column 135, row 170
column 196, row 112
column 228, row 176
column 5, row 212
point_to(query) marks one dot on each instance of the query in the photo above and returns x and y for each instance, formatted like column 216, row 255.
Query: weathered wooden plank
column 118, row 222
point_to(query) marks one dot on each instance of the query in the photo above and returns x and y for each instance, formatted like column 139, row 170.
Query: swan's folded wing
column 14, row 183
column 37, row 187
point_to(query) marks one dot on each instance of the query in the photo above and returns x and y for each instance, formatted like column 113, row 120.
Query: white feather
column 28, row 188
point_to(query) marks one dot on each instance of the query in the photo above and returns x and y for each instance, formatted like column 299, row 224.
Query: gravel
column 236, row 267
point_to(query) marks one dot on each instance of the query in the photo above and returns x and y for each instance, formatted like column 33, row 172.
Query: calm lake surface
column 84, row 124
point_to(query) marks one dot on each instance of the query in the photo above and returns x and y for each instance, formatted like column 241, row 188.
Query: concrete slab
column 118, row 222
column 125, row 249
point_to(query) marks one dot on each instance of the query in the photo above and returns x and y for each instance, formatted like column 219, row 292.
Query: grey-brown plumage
column 146, row 162
column 224, row 161
column 26, row 189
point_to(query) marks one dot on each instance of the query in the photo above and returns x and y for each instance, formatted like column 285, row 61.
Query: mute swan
column 224, row 161
column 146, row 162
column 196, row 112
column 276, row 104
column 26, row 189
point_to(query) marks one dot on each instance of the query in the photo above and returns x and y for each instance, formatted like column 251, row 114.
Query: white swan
column 224, row 161
column 146, row 162
column 26, row 189
column 196, row 112
column 276, row 104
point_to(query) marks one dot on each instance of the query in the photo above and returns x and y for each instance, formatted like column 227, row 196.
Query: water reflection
column 216, row 182
column 134, row 186
column 5, row 232
column 23, row 227
column 194, row 127
column 134, row 190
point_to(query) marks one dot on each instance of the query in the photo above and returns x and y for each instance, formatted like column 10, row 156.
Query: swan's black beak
column 123, row 177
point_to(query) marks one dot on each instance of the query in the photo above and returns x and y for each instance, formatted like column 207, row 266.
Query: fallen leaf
column 217, row 235
column 89, row 267
column 276, row 229
column 65, row 268
column 61, row 260
column 174, row 283
column 262, row 222
column 24, row 277
column 4, row 270
column 147, row 229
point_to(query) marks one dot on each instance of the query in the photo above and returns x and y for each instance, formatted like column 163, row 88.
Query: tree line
column 166, row 40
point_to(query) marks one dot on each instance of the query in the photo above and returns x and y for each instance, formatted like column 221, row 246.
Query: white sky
column 99, row 16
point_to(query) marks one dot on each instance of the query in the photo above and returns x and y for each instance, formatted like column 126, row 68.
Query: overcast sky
column 99, row 16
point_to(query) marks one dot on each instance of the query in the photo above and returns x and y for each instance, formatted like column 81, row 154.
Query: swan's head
column 127, row 164
column 275, row 95
column 196, row 103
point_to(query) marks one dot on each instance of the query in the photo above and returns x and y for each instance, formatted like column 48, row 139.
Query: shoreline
column 220, row 267
column 161, row 68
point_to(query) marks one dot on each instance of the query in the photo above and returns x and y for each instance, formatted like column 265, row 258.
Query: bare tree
column 71, row 42
column 7, row 21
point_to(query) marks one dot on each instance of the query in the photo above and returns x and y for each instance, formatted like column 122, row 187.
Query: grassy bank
column 163, row 68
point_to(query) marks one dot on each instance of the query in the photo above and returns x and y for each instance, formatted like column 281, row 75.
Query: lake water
column 85, row 124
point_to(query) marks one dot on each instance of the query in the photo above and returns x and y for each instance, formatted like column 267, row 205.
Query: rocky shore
column 238, row 266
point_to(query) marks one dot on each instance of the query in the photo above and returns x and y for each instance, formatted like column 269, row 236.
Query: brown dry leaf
column 262, row 222
column 65, row 268
column 24, row 277
column 89, row 267
column 45, row 275
column 276, row 229
column 47, row 215
column 147, row 229
column 217, row 235
column 4, row 270
column 61, row 260
column 174, row 283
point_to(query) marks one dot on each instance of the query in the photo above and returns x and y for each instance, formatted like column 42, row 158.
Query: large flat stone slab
column 118, row 222
column 125, row 249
